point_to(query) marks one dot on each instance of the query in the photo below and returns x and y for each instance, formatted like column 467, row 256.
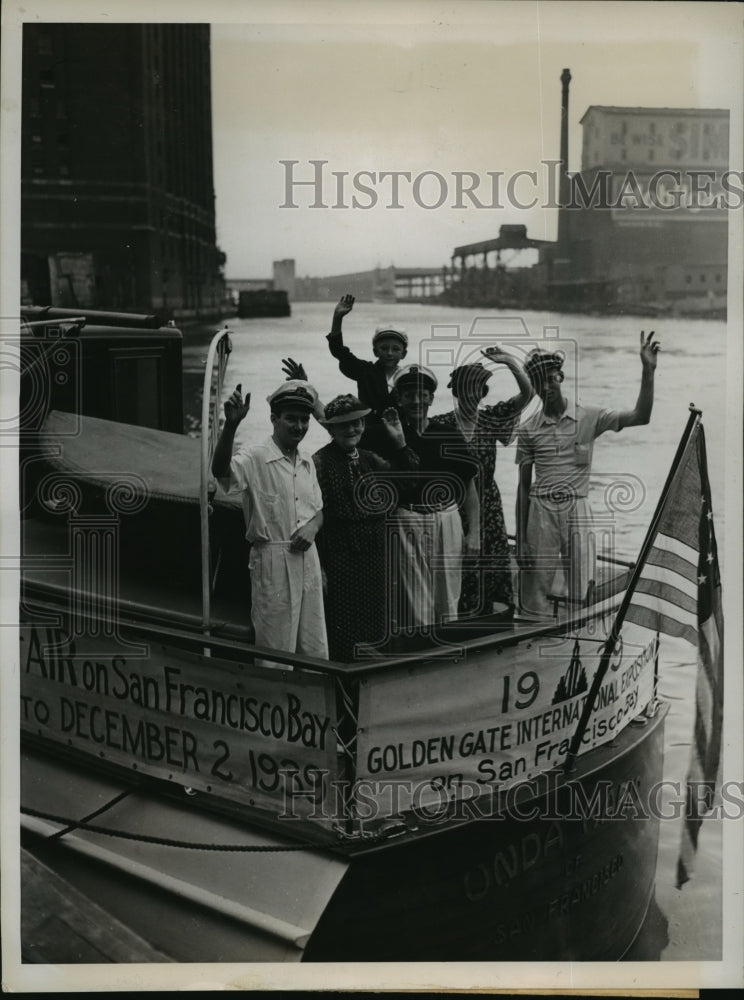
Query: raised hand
column 345, row 305
column 497, row 355
column 235, row 407
column 649, row 350
column 293, row 369
column 391, row 422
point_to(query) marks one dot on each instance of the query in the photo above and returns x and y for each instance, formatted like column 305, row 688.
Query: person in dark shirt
column 427, row 527
column 374, row 379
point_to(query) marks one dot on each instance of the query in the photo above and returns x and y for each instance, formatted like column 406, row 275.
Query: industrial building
column 117, row 196
column 642, row 227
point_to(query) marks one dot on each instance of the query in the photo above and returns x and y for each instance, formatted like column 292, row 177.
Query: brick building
column 654, row 233
column 117, row 196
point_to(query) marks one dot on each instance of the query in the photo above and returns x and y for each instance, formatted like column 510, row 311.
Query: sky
column 397, row 88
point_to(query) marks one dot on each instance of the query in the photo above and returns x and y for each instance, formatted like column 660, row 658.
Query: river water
column 602, row 367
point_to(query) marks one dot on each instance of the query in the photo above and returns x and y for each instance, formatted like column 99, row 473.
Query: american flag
column 679, row 593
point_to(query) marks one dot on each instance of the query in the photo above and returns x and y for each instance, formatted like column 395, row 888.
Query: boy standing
column 374, row 379
column 554, row 519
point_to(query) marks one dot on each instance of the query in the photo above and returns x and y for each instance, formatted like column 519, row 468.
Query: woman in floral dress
column 483, row 427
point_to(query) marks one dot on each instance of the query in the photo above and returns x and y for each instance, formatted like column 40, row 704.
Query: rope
column 164, row 841
column 73, row 825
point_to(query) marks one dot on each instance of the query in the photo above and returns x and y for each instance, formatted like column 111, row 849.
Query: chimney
column 564, row 188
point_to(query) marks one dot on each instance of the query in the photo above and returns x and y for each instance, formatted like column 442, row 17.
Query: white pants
column 561, row 544
column 426, row 561
column 287, row 600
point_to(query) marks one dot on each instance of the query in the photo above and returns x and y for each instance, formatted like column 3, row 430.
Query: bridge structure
column 380, row 284
column 419, row 284
column 481, row 275
column 509, row 238
column 474, row 268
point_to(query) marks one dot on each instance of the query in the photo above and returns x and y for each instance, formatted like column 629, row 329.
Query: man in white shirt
column 282, row 505
column 554, row 519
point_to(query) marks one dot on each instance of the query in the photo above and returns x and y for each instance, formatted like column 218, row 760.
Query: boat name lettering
column 513, row 860
column 516, row 860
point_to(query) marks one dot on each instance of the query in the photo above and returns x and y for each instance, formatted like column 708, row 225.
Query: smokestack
column 564, row 189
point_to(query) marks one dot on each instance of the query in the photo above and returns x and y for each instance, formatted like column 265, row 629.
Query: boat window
column 138, row 387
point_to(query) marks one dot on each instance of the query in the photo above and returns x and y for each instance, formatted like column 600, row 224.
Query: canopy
column 98, row 450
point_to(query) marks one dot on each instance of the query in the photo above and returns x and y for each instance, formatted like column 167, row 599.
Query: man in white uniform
column 282, row 505
column 554, row 519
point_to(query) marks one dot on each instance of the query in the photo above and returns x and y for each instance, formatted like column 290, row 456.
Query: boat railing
column 214, row 376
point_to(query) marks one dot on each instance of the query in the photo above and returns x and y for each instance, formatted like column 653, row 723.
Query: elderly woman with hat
column 428, row 528
column 374, row 379
column 352, row 543
column 483, row 428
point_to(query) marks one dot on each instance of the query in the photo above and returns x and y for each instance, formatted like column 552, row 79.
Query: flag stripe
column 666, row 608
column 710, row 651
column 653, row 620
column 700, row 733
column 674, row 563
column 713, row 685
column 668, row 590
column 704, row 692
column 677, row 547
column 678, row 591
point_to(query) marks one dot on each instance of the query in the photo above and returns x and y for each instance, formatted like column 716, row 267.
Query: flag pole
column 611, row 641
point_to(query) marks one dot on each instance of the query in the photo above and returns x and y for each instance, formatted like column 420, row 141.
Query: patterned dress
column 491, row 582
column 352, row 544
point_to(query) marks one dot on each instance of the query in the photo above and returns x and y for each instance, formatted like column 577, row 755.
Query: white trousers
column 426, row 566
column 287, row 599
column 561, row 545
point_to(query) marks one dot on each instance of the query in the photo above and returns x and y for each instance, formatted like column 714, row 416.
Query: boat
column 467, row 793
column 263, row 302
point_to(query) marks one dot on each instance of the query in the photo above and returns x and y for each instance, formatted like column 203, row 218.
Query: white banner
column 496, row 718
column 244, row 733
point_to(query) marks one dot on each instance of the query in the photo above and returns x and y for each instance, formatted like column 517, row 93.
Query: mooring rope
column 75, row 824
column 163, row 841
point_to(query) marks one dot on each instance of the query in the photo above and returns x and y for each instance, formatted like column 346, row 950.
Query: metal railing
column 214, row 376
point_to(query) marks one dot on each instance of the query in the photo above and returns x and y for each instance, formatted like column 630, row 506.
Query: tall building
column 647, row 223
column 284, row 276
column 642, row 227
column 117, row 200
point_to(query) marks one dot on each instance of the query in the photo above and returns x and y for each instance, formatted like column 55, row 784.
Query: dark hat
column 342, row 409
column 390, row 330
column 293, row 392
column 471, row 374
column 415, row 374
column 539, row 363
